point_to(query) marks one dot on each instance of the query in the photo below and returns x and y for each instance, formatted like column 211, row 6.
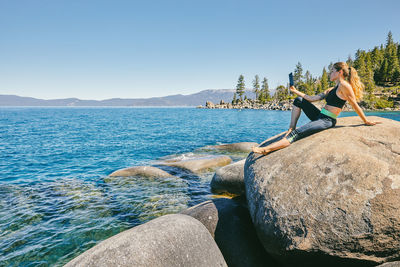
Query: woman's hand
column 292, row 89
column 371, row 123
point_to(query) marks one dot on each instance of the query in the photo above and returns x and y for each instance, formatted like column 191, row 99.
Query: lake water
column 56, row 199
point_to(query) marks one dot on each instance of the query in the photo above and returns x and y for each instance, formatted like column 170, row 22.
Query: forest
column 378, row 68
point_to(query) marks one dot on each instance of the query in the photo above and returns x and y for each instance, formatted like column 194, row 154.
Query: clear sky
column 94, row 49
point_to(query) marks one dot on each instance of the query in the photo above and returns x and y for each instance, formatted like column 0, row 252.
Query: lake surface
column 56, row 199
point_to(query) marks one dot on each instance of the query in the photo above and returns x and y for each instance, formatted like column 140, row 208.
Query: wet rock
column 331, row 197
column 229, row 179
column 171, row 240
column 146, row 171
column 237, row 147
column 229, row 222
column 200, row 164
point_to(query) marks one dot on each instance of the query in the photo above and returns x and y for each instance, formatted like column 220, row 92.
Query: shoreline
column 283, row 105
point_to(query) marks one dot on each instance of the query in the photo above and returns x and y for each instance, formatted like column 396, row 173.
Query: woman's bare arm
column 310, row 98
column 349, row 94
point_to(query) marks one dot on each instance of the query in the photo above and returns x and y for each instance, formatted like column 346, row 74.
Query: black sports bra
column 333, row 100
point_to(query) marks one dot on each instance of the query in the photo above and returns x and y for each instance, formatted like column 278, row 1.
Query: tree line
column 376, row 67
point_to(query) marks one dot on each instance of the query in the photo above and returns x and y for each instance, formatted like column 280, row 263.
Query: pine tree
column 389, row 39
column 298, row 75
column 234, row 100
column 256, row 86
column 359, row 63
column 377, row 58
column 331, row 83
column 349, row 61
column 398, row 52
column 393, row 62
column 368, row 78
column 383, row 72
column 309, row 83
column 240, row 87
column 265, row 94
column 281, row 93
column 324, row 81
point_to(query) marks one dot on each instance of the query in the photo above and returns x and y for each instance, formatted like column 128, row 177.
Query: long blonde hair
column 351, row 75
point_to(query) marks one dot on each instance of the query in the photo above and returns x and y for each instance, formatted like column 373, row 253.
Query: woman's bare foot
column 259, row 150
column 288, row 132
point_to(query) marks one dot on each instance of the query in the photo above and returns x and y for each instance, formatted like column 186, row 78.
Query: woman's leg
column 311, row 128
column 309, row 109
column 296, row 111
column 301, row 132
column 272, row 147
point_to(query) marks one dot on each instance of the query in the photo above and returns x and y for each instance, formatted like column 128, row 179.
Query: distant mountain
column 196, row 99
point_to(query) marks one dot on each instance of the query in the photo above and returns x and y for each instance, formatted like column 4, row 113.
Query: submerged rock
column 333, row 196
column 146, row 171
column 237, row 147
column 171, row 240
column 229, row 179
column 200, row 164
column 229, row 222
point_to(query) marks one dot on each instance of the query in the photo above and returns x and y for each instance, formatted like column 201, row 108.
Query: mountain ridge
column 195, row 99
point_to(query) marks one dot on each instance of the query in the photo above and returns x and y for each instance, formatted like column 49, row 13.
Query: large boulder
column 146, row 171
column 199, row 164
column 170, row 240
column 229, row 222
column 229, row 179
column 333, row 196
column 390, row 264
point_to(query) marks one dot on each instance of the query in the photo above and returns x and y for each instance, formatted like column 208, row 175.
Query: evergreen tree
column 331, row 83
column 234, row 100
column 256, row 86
column 298, row 75
column 324, row 81
column 309, row 84
column 383, row 72
column 377, row 58
column 281, row 93
column 389, row 39
column 318, row 88
column 349, row 61
column 398, row 52
column 265, row 94
column 368, row 78
column 240, row 87
column 393, row 62
column 359, row 63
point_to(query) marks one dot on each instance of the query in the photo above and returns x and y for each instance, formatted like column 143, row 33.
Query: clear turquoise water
column 56, row 199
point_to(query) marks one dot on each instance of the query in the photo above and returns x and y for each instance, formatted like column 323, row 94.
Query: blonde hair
column 351, row 75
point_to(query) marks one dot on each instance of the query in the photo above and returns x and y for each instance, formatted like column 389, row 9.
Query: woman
column 348, row 88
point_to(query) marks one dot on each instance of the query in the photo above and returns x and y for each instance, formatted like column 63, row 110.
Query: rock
column 229, row 222
column 237, row 147
column 200, row 164
column 146, row 171
column 229, row 179
column 333, row 196
column 210, row 104
column 390, row 264
column 171, row 240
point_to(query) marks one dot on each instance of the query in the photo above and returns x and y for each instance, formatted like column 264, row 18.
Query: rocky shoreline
column 344, row 212
column 278, row 105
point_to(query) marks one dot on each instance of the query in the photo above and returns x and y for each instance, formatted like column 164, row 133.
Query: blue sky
column 138, row 49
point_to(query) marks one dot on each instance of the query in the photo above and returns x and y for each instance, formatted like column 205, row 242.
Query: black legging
column 319, row 121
